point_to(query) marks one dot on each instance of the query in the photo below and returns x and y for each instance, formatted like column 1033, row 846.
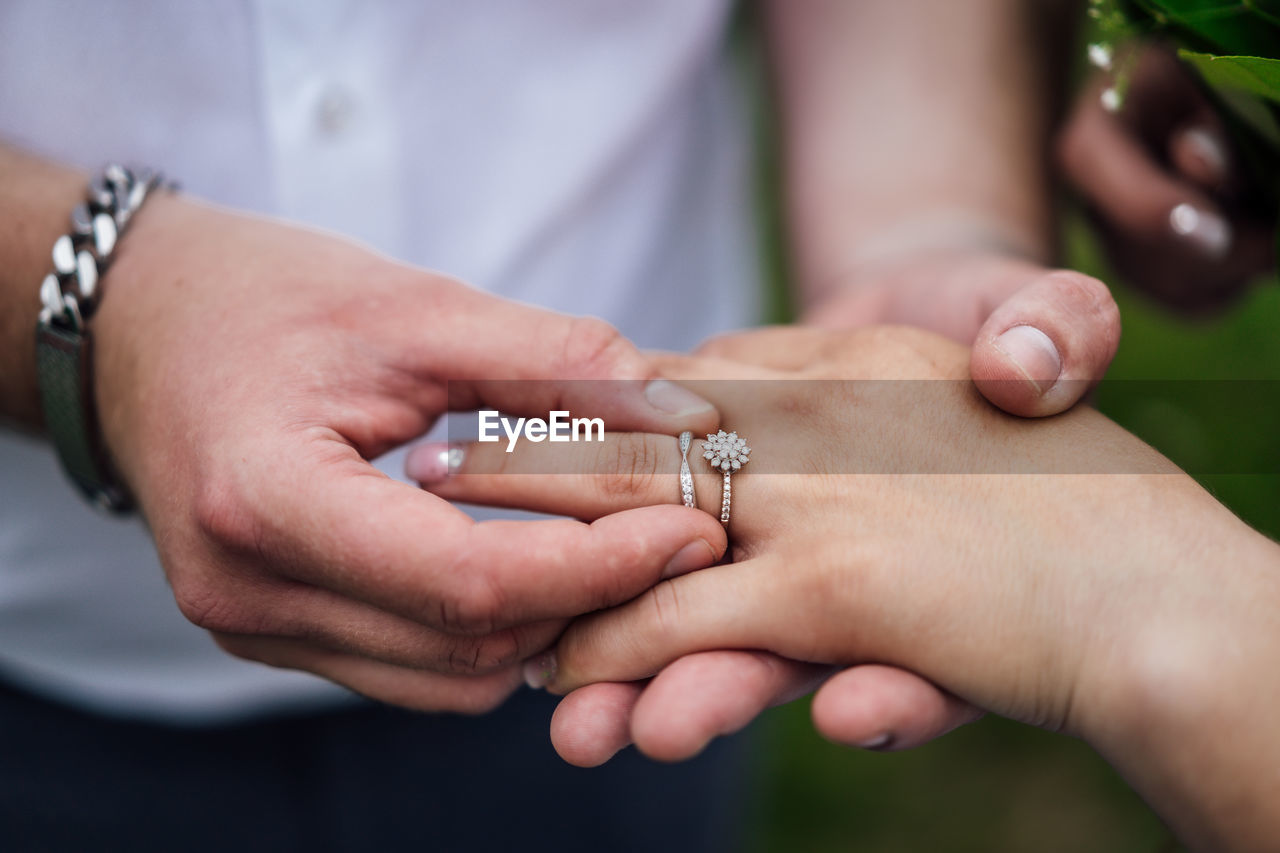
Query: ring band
column 726, row 453
column 686, row 476
column 726, row 498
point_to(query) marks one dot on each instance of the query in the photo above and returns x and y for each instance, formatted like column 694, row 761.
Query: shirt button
column 334, row 111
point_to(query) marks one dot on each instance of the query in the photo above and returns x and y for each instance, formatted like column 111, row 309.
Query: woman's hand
column 1168, row 189
column 718, row 691
column 872, row 512
column 1058, row 572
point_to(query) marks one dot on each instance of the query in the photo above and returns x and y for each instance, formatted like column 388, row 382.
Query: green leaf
column 1249, row 85
column 1251, row 27
column 1255, row 74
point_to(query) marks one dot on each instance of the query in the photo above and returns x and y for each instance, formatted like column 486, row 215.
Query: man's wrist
column 950, row 231
column 35, row 198
column 70, row 296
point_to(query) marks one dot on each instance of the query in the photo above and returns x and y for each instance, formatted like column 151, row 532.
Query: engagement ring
column 726, row 453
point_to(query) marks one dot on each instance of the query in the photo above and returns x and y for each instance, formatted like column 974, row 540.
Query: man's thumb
column 1047, row 345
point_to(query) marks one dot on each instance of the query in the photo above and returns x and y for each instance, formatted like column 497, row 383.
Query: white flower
column 725, row 451
column 1100, row 56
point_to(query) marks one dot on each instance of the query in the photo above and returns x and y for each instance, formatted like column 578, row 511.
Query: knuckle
column 206, row 606
column 836, row 577
column 498, row 650
column 631, row 471
column 663, row 601
column 594, row 349
column 462, row 655
column 480, row 655
column 904, row 352
column 798, row 408
column 1088, row 297
column 223, row 517
column 472, row 608
column 1081, row 289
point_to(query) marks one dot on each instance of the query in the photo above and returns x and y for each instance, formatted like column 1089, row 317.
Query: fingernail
column 540, row 671
column 1033, row 353
column 878, row 742
column 1204, row 229
column 1209, row 148
column 433, row 463
column 674, row 400
column 694, row 556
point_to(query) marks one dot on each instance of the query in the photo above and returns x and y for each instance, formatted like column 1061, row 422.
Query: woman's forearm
column 1186, row 705
column 911, row 122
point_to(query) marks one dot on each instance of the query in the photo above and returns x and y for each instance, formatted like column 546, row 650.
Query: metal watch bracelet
column 64, row 346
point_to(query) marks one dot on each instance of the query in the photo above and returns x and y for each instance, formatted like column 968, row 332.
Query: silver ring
column 686, row 476
column 726, row 452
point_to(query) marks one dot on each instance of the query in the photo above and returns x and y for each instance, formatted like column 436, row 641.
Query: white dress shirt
column 584, row 155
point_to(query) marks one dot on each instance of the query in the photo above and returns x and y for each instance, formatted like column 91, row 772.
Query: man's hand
column 1040, row 338
column 907, row 203
column 247, row 372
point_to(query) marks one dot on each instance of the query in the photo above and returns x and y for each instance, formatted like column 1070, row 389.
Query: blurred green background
column 996, row 785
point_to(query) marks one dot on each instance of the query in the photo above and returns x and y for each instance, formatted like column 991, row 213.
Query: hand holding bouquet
column 1176, row 145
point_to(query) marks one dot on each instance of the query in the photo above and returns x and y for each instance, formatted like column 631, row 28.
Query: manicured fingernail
column 694, row 556
column 674, row 400
column 878, row 742
column 1033, row 353
column 541, row 670
column 1206, row 145
column 1204, row 229
column 432, row 463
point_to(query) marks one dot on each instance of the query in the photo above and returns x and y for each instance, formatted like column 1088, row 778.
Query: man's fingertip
column 881, row 742
column 696, row 555
column 675, row 400
column 670, row 751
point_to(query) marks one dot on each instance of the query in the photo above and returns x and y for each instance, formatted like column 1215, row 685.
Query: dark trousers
column 367, row 779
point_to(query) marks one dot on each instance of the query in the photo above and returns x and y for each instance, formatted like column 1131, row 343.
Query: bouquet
column 1234, row 46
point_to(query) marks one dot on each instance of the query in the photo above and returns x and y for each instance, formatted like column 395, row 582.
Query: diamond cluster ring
column 726, row 453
